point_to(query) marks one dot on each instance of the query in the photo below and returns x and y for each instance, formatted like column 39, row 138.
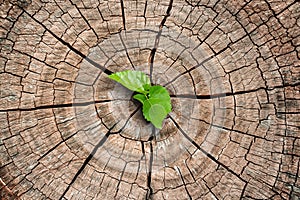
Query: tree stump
column 69, row 132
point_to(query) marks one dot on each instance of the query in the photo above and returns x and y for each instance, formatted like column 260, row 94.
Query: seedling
column 154, row 98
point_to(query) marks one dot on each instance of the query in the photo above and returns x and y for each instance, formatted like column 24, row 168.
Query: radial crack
column 97, row 65
column 220, row 95
column 67, row 105
column 182, row 179
column 149, row 175
column 91, row 155
column 123, row 14
column 127, row 54
column 87, row 160
column 203, row 151
column 156, row 43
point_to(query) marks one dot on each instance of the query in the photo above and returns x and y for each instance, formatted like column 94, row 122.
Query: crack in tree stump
column 69, row 132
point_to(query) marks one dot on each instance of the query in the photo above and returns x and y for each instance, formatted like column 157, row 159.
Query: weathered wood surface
column 68, row 132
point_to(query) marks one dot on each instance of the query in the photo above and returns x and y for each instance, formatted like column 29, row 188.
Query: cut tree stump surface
column 69, row 132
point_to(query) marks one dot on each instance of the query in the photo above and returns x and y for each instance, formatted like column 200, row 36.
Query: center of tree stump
column 122, row 116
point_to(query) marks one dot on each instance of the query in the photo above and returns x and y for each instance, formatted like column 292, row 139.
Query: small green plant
column 155, row 99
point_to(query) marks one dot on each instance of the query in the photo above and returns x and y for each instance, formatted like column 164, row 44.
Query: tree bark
column 69, row 132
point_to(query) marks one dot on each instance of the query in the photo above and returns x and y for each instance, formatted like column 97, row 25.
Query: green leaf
column 133, row 80
column 162, row 95
column 147, row 87
column 157, row 106
column 155, row 99
column 159, row 92
column 157, row 114
column 146, row 107
column 140, row 97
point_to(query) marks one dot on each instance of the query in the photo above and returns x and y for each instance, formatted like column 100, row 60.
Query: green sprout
column 155, row 99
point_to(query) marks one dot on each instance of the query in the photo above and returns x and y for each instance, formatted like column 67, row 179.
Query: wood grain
column 69, row 132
